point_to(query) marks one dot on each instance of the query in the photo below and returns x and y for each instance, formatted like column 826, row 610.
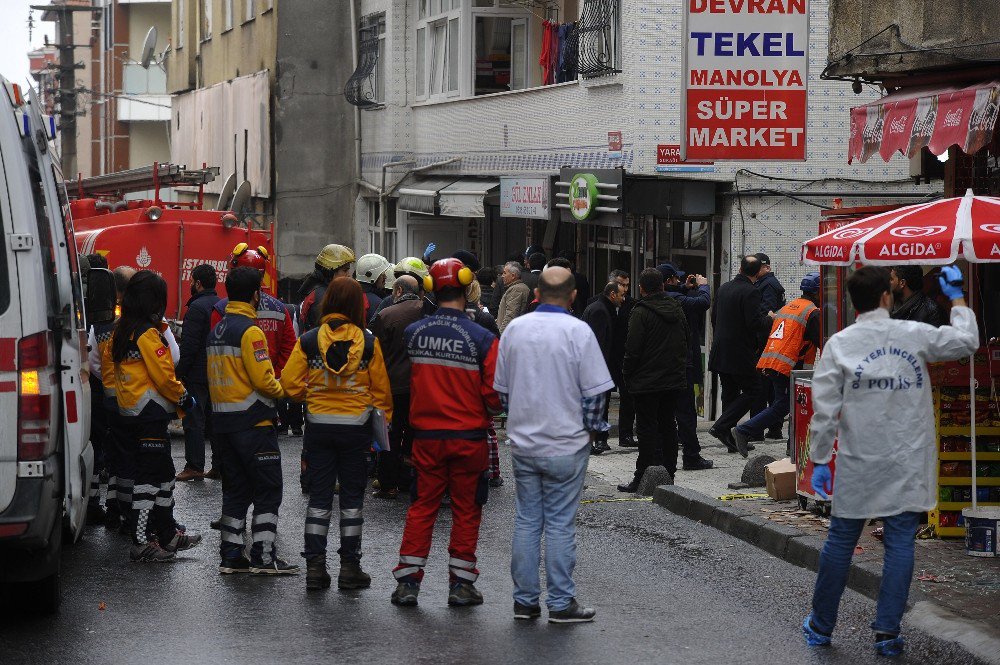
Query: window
column 438, row 45
column 250, row 10
column 375, row 230
column 206, row 19
column 181, row 18
column 501, row 54
column 366, row 87
column 227, row 15
column 109, row 26
column 600, row 47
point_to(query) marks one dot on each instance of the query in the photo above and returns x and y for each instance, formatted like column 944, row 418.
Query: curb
column 803, row 550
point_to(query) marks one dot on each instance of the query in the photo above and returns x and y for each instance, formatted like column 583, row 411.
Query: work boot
column 405, row 594
column 316, row 575
column 742, row 442
column 573, row 613
column 234, row 564
column 464, row 594
column 183, row 541
column 627, row 441
column 276, row 567
column 150, row 551
column 189, row 474
column 352, row 577
column 700, row 464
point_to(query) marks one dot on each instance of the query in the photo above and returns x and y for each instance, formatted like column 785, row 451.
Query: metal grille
column 598, row 38
column 361, row 88
column 980, row 171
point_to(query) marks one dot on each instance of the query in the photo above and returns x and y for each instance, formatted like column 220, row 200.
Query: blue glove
column 428, row 251
column 822, row 481
column 950, row 280
column 188, row 402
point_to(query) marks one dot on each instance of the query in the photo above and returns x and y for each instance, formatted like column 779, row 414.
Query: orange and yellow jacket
column 144, row 382
column 240, row 374
column 330, row 371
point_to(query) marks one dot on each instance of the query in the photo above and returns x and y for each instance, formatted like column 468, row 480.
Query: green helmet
column 411, row 265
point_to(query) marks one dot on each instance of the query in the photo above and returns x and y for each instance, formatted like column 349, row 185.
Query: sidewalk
column 953, row 596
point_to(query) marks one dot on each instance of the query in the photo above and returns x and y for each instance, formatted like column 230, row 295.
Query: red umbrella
column 935, row 233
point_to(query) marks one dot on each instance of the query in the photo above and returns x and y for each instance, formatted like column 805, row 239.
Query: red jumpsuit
column 451, row 406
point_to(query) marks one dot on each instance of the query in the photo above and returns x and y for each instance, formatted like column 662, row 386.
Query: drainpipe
column 357, row 109
column 384, row 194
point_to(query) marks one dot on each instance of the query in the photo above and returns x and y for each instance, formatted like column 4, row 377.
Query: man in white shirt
column 553, row 380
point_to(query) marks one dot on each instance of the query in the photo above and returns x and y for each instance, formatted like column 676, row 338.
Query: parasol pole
column 964, row 227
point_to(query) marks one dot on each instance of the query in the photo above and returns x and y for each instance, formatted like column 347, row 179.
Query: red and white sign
column 668, row 160
column 746, row 69
column 615, row 144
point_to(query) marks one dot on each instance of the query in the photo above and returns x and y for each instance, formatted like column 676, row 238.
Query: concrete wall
column 313, row 132
column 148, row 143
column 912, row 25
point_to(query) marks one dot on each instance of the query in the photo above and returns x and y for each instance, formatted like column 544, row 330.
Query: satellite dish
column 241, row 198
column 149, row 48
column 227, row 193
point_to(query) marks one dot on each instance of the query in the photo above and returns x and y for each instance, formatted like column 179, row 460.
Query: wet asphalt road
column 667, row 590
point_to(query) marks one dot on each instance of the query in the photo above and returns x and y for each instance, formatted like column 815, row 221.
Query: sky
column 14, row 44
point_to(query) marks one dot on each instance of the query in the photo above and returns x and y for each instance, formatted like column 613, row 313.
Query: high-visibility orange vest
column 787, row 345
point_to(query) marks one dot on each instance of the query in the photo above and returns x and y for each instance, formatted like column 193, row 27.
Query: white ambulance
column 45, row 455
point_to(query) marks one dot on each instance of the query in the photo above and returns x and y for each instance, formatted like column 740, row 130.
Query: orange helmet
column 251, row 258
column 448, row 272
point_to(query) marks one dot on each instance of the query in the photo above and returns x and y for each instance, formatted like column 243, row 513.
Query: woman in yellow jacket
column 338, row 370
column 149, row 397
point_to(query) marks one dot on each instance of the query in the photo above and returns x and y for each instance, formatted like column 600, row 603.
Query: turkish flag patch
column 259, row 344
column 160, row 352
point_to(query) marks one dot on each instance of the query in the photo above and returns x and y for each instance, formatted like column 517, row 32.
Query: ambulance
column 46, row 458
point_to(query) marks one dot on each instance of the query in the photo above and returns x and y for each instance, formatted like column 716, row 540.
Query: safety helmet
column 810, row 283
column 251, row 258
column 332, row 257
column 411, row 265
column 370, row 267
column 448, row 272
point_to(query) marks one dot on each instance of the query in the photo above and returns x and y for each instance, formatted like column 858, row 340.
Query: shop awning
column 464, row 198
column 422, row 194
column 933, row 116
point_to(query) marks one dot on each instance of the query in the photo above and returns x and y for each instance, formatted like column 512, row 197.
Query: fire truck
column 169, row 237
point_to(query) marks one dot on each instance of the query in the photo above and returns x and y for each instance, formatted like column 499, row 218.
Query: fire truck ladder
column 141, row 180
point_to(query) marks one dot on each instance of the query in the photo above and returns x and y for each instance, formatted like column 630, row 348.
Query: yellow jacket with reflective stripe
column 343, row 395
column 145, row 385
column 240, row 374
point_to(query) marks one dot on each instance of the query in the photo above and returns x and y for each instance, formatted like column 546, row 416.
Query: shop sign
column 582, row 196
column 746, row 70
column 525, row 198
column 615, row 145
column 594, row 196
column 668, row 160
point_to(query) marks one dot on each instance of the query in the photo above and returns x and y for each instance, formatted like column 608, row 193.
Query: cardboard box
column 780, row 479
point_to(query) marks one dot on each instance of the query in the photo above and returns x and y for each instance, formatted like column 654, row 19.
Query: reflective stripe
column 444, row 363
column 459, row 563
column 403, row 572
column 228, row 537
column 145, row 489
column 788, row 316
column 265, row 518
column 268, row 314
column 266, row 536
column 339, row 419
column 464, row 574
column 112, row 494
column 165, row 501
column 168, row 487
column 350, row 513
column 351, row 530
column 420, row 561
column 145, row 504
column 777, row 356
column 317, row 529
column 319, row 513
column 150, row 395
column 221, row 350
column 235, row 407
column 233, row 522
column 125, row 483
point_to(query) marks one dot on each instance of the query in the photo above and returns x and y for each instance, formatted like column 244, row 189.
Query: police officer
column 332, row 261
column 451, row 411
column 148, row 396
column 338, row 369
column 243, row 389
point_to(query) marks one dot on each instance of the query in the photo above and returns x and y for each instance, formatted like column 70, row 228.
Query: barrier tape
column 638, row 498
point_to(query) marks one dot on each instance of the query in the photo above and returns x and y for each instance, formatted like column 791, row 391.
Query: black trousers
column 656, row 429
column 739, row 393
column 252, row 464
column 603, row 436
column 686, row 415
column 337, row 453
column 152, row 513
column 626, row 414
column 119, row 450
column 289, row 414
column 392, row 472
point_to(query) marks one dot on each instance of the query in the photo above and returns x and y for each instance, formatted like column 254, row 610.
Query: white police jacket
column 871, row 391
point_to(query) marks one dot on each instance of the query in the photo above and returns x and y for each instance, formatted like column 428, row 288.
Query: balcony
column 145, row 97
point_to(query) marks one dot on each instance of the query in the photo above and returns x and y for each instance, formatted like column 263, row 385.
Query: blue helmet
column 810, row 283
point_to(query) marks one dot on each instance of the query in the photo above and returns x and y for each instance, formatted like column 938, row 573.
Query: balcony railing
column 139, row 81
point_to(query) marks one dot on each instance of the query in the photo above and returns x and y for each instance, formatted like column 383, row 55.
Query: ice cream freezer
column 801, row 411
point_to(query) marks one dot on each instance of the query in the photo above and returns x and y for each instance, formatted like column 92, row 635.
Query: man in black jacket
column 737, row 321
column 772, row 299
column 626, row 409
column 600, row 316
column 912, row 304
column 192, row 370
column 655, row 373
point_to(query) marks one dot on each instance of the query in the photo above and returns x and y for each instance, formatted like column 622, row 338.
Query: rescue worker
column 332, row 261
column 148, row 396
column 794, row 340
column 417, row 269
column 371, row 272
column 99, row 304
column 451, row 409
column 871, row 392
column 337, row 368
column 242, row 387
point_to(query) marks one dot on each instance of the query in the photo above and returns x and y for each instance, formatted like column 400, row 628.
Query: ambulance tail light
column 14, row 94
column 34, row 397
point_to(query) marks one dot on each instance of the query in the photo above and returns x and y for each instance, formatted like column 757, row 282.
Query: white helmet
column 370, row 267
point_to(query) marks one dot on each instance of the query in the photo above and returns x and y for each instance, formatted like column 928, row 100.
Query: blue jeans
column 548, row 496
column 778, row 387
column 897, row 571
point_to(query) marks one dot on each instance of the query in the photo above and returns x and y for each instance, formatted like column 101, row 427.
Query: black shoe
column 95, row 514
column 526, row 612
column 282, row 431
column 627, row 441
column 112, row 519
column 183, row 541
column 726, row 438
column 234, row 564
column 599, row 446
column 316, row 575
column 405, row 594
column 573, row 614
column 276, row 567
column 774, row 435
column 352, row 577
column 742, row 443
column 296, row 431
column 464, row 594
column 699, row 464
column 631, row 487
column 496, row 482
